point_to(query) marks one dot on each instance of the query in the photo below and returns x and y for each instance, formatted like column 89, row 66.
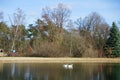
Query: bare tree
column 19, row 17
column 70, row 26
column 56, row 18
column 58, row 15
column 93, row 28
column 18, row 20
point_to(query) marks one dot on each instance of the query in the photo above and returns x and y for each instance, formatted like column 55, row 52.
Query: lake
column 56, row 71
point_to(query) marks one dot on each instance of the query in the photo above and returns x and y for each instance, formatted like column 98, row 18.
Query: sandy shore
column 57, row 60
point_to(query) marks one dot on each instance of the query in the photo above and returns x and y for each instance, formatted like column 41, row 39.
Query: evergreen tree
column 113, row 43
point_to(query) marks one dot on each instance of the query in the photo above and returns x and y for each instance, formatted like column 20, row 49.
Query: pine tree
column 113, row 43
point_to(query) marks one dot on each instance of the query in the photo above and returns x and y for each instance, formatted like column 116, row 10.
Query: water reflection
column 84, row 71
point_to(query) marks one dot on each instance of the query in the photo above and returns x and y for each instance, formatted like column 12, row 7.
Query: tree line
column 55, row 34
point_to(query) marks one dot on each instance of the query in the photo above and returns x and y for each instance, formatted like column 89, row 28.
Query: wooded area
column 56, row 35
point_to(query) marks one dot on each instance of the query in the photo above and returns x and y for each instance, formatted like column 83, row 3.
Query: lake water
column 38, row 71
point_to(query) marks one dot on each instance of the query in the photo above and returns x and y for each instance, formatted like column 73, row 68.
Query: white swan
column 68, row 66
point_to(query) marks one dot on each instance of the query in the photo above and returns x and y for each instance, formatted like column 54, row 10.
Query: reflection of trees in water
column 86, row 71
column 112, row 71
column 94, row 72
column 49, row 72
column 1, row 68
column 81, row 71
column 11, row 72
column 27, row 73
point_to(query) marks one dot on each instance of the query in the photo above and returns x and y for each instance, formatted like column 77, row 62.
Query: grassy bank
column 57, row 60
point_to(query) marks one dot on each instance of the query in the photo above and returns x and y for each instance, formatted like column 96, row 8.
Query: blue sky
column 108, row 9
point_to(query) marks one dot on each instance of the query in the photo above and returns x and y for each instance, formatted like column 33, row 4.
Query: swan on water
column 68, row 66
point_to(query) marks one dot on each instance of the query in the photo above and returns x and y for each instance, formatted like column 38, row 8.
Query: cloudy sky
column 108, row 9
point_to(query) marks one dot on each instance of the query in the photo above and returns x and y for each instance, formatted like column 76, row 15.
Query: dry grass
column 57, row 60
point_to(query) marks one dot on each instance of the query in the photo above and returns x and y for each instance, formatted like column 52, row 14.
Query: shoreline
column 57, row 60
